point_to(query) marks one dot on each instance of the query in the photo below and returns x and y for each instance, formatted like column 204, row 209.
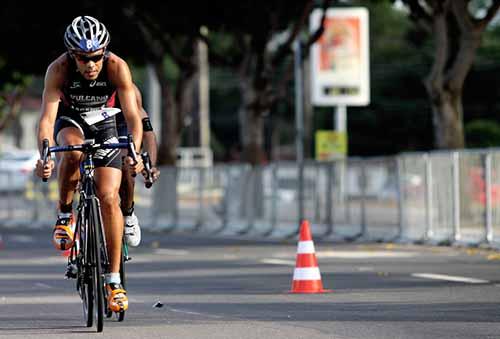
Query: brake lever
column 147, row 166
column 131, row 151
column 45, row 154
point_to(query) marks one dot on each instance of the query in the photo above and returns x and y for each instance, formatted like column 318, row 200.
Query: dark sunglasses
column 86, row 59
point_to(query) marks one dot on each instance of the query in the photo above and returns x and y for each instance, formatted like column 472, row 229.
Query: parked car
column 16, row 169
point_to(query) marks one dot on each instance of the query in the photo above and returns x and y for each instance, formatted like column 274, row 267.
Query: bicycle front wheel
column 95, row 218
column 84, row 282
column 87, row 280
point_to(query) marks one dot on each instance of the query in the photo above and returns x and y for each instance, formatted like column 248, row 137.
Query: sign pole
column 340, row 128
column 340, row 118
column 299, row 126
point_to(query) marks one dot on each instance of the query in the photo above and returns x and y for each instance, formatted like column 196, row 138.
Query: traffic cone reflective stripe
column 305, row 247
column 306, row 275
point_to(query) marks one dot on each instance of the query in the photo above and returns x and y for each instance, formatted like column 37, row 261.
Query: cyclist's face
column 89, row 64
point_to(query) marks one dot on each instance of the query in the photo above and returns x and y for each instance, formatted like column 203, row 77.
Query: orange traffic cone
column 306, row 275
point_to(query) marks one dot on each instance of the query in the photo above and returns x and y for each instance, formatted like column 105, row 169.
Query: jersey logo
column 97, row 83
column 75, row 84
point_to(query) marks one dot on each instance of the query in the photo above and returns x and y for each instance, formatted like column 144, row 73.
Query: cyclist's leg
column 127, row 187
column 108, row 181
column 68, row 164
column 68, row 176
column 127, row 184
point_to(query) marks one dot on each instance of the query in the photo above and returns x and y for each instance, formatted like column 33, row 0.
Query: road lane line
column 278, row 262
column 194, row 313
column 42, row 285
column 449, row 278
column 169, row 251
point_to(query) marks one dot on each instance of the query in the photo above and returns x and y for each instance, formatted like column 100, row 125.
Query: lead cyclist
column 87, row 79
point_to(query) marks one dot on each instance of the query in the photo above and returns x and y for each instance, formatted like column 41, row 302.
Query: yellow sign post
column 330, row 145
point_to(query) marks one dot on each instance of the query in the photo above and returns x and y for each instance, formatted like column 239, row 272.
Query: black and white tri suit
column 81, row 97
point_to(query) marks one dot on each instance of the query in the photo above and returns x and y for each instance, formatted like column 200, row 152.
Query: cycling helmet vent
column 86, row 34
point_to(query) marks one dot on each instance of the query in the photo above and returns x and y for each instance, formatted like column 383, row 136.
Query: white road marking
column 365, row 269
column 365, row 254
column 42, row 300
column 278, row 262
column 42, row 285
column 33, row 261
column 194, row 313
column 356, row 254
column 449, row 278
column 169, row 251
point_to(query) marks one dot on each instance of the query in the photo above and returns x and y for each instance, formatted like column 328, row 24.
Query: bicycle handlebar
column 89, row 147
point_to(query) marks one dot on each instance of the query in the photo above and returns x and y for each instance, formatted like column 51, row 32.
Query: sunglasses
column 86, row 58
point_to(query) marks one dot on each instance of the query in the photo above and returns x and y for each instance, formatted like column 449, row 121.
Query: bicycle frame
column 92, row 259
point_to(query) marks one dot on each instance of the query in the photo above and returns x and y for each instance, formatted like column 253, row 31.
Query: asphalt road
column 233, row 288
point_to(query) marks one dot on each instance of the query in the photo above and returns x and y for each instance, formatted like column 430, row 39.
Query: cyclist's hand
column 133, row 166
column 44, row 171
column 155, row 174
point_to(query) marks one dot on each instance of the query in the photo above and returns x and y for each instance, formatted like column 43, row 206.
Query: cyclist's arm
column 50, row 102
column 120, row 75
column 149, row 143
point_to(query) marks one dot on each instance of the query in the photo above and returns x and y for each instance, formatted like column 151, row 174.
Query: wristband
column 146, row 125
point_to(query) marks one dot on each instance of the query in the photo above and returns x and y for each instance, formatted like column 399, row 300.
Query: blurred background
column 229, row 82
column 201, row 66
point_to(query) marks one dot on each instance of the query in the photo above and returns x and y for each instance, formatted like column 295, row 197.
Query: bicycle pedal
column 127, row 258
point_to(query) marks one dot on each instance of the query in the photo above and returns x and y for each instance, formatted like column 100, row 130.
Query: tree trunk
column 251, row 123
column 173, row 111
column 455, row 50
column 447, row 120
column 166, row 153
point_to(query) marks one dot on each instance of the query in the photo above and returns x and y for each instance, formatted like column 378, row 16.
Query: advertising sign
column 340, row 58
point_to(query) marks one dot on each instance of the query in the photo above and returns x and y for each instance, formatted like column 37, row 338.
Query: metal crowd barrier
column 437, row 197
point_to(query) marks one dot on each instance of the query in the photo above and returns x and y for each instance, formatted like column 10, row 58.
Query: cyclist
column 132, row 228
column 86, row 78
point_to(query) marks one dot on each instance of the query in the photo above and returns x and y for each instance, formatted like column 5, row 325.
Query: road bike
column 88, row 259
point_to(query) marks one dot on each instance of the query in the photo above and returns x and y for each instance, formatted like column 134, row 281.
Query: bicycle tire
column 123, row 278
column 97, row 268
column 85, row 279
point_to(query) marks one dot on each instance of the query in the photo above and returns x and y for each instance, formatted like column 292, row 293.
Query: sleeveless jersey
column 82, row 95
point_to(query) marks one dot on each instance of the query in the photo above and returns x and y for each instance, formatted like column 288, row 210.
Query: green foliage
column 482, row 133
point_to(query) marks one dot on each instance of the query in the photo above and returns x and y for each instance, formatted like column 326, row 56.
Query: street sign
column 330, row 145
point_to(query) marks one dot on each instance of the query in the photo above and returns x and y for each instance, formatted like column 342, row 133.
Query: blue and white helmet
column 86, row 34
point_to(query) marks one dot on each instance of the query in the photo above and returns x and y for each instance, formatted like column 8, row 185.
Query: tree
column 260, row 41
column 177, row 38
column 457, row 29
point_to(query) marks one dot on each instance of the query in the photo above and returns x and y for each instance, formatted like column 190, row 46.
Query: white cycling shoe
column 132, row 231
